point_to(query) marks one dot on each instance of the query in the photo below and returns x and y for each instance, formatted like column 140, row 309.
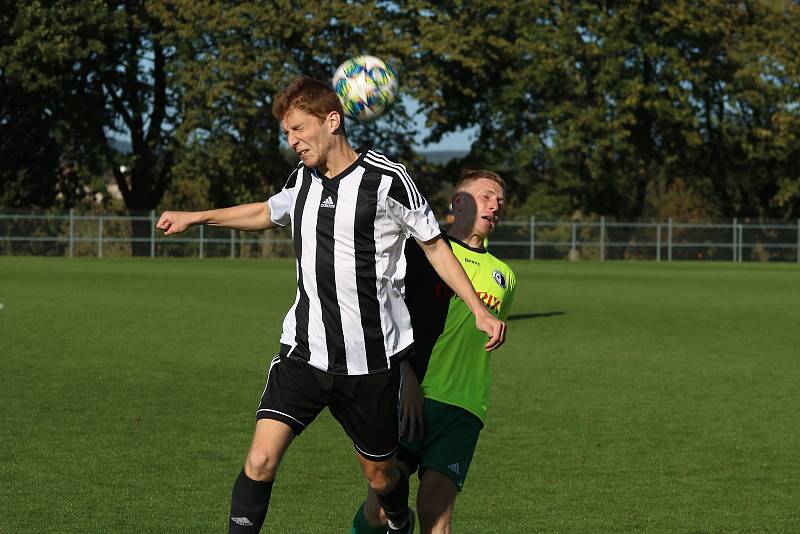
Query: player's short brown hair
column 468, row 176
column 309, row 95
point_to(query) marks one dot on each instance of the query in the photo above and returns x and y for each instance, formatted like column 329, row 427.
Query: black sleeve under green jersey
column 427, row 298
column 450, row 359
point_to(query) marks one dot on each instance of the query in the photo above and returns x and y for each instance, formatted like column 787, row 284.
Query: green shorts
column 451, row 434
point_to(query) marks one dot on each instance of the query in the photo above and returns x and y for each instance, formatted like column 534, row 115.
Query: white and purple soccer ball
column 366, row 86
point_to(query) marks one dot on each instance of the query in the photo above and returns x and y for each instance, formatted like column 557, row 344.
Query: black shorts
column 366, row 406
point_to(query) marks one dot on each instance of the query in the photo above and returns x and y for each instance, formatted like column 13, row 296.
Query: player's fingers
column 490, row 345
column 498, row 336
column 502, row 338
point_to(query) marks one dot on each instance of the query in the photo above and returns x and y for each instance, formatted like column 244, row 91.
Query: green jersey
column 450, row 359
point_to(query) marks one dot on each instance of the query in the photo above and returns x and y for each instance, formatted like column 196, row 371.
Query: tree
column 232, row 62
column 585, row 107
column 597, row 106
column 37, row 150
column 188, row 84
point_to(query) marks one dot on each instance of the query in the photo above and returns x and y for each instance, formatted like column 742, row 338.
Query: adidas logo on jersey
column 454, row 468
column 327, row 203
column 242, row 521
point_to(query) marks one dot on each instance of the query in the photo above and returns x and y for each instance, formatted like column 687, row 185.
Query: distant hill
column 440, row 157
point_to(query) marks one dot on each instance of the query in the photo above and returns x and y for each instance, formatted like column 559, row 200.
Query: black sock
column 395, row 502
column 249, row 503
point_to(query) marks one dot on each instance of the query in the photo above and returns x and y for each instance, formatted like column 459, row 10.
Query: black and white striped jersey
column 349, row 316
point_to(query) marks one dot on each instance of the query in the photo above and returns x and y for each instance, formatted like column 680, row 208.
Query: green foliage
column 597, row 107
column 188, row 84
column 35, row 139
column 241, row 57
column 597, row 103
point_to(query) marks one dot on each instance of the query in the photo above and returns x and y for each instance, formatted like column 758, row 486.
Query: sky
column 455, row 141
column 460, row 140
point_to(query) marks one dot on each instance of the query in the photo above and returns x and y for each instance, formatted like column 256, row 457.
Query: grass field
column 630, row 397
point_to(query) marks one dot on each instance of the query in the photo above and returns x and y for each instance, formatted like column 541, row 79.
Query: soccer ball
column 365, row 86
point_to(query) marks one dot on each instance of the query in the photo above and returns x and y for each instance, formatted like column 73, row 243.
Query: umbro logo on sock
column 454, row 468
column 242, row 521
column 327, row 203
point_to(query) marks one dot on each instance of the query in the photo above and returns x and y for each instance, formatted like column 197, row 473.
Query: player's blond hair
column 468, row 176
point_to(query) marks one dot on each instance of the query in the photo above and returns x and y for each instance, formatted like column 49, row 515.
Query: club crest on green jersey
column 499, row 278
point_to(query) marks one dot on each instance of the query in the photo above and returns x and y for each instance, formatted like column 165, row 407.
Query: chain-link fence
column 112, row 235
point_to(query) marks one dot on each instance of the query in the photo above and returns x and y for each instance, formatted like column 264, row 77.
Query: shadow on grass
column 522, row 316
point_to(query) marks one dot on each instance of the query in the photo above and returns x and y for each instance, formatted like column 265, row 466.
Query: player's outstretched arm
column 247, row 217
column 447, row 267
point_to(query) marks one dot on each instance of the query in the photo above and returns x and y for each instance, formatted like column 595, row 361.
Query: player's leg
column 367, row 408
column 270, row 441
column 373, row 512
column 253, row 487
column 370, row 517
column 391, row 492
column 291, row 400
column 435, row 500
column 451, row 435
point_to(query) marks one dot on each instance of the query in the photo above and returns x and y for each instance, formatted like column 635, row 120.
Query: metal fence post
column 602, row 238
column 741, row 241
column 100, row 237
column 658, row 241
column 233, row 244
column 152, row 233
column 201, row 240
column 669, row 239
column 71, row 232
column 733, row 244
column 574, row 231
column 533, row 238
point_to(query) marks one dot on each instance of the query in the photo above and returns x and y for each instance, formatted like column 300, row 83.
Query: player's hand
column 412, row 425
column 174, row 222
column 495, row 328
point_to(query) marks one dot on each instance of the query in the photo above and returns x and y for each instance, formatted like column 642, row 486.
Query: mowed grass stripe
column 630, row 397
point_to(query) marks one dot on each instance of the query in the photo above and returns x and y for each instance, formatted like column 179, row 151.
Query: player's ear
column 457, row 203
column 333, row 121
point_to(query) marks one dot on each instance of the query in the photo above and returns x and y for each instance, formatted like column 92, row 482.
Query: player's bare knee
column 261, row 466
column 380, row 483
column 381, row 480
